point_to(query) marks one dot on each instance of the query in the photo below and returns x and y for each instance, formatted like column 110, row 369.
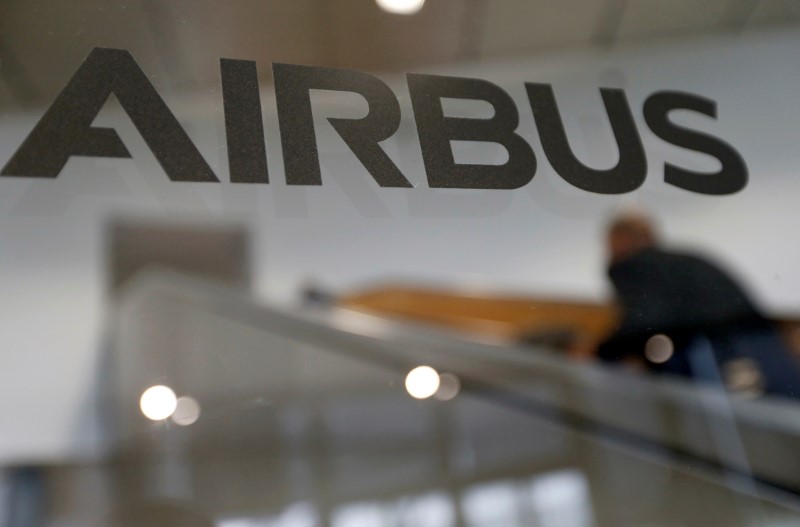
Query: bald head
column 629, row 233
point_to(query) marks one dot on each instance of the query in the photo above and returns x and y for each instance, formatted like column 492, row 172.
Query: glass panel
column 399, row 263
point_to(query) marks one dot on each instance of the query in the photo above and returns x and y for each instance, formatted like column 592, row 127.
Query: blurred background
column 292, row 315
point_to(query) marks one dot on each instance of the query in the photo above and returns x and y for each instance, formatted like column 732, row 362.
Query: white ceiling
column 178, row 42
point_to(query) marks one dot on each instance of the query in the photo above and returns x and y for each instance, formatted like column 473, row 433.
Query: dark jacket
column 688, row 298
column 663, row 291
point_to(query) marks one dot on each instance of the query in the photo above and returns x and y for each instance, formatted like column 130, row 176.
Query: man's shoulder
column 667, row 267
column 652, row 256
column 693, row 260
column 674, row 257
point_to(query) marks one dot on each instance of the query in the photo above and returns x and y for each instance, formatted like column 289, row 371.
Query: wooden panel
column 499, row 316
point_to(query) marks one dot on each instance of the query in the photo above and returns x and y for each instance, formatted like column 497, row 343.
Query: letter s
column 731, row 178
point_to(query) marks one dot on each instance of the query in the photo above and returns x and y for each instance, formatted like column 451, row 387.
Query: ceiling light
column 158, row 402
column 401, row 7
column 422, row 382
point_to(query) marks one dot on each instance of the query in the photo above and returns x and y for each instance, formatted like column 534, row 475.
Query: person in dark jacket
column 683, row 315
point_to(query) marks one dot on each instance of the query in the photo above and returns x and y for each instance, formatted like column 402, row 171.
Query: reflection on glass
column 557, row 499
column 659, row 349
column 492, row 505
column 187, row 411
column 704, row 319
column 158, row 402
column 435, row 509
column 422, row 382
column 367, row 514
column 401, row 7
column 561, row 499
column 743, row 377
column 306, row 419
column 301, row 514
column 449, row 386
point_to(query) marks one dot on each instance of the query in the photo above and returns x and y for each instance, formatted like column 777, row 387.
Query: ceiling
column 179, row 42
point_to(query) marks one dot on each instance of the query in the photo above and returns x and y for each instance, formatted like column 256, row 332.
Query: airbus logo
column 66, row 130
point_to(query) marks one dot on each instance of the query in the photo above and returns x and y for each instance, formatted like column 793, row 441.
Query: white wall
column 541, row 239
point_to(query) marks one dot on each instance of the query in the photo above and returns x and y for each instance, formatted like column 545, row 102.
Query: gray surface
column 312, row 407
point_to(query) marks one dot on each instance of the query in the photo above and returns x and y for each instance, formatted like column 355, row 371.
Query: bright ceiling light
column 401, row 7
column 422, row 382
column 158, row 402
